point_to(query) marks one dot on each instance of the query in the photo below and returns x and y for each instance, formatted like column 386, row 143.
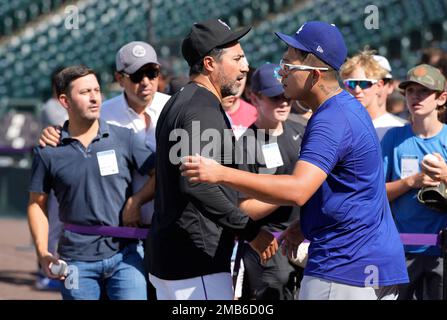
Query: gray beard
column 229, row 90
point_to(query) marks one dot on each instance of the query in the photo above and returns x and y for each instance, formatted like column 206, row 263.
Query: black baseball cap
column 207, row 35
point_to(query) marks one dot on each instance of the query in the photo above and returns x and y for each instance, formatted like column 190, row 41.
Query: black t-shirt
column 194, row 225
column 288, row 143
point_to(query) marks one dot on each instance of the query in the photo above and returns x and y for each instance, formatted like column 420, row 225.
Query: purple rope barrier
column 141, row 233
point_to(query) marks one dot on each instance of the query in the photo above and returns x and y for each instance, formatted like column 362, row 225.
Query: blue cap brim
column 291, row 41
column 273, row 91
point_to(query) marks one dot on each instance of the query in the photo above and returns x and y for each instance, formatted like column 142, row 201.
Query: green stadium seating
column 32, row 51
column 16, row 14
column 30, row 58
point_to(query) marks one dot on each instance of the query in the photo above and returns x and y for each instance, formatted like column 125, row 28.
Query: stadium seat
column 28, row 56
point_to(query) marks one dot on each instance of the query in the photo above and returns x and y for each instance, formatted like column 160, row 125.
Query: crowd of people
column 213, row 190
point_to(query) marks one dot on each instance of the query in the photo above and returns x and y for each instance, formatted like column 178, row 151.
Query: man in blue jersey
column 355, row 250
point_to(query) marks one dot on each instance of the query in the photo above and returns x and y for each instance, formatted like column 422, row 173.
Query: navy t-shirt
column 90, row 186
column 348, row 220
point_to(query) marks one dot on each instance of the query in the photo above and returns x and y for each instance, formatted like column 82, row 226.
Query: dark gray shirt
column 91, row 185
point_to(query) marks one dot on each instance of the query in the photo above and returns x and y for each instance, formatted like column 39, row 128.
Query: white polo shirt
column 116, row 111
column 385, row 122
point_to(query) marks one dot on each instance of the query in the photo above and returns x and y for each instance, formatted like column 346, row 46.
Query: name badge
column 272, row 155
column 409, row 166
column 107, row 162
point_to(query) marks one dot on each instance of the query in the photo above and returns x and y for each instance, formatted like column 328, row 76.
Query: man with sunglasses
column 366, row 76
column 355, row 250
column 138, row 108
column 276, row 151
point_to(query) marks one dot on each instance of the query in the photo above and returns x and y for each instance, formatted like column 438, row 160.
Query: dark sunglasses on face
column 140, row 74
column 362, row 83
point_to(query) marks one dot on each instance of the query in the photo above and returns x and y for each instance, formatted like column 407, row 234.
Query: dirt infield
column 18, row 263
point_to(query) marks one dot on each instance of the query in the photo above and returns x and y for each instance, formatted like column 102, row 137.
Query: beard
column 229, row 87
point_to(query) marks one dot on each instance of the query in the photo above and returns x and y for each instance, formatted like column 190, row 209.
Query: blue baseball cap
column 320, row 38
column 265, row 80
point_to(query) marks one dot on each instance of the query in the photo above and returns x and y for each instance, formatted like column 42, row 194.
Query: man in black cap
column 194, row 225
column 338, row 180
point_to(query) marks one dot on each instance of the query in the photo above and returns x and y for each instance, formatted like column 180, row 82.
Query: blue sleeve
column 387, row 145
column 324, row 142
column 143, row 158
column 41, row 180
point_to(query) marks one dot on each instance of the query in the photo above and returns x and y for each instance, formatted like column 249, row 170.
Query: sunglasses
column 287, row 67
column 136, row 77
column 362, row 83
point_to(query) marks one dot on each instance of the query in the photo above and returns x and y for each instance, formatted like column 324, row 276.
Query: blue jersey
column 353, row 236
column 398, row 145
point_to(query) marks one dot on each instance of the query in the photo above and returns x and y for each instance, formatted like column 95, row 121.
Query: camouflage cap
column 425, row 75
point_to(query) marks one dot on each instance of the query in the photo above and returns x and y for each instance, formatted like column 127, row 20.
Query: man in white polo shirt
column 137, row 108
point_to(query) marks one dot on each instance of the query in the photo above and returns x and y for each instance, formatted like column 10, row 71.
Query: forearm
column 257, row 209
column 38, row 224
column 274, row 189
column 397, row 188
column 146, row 193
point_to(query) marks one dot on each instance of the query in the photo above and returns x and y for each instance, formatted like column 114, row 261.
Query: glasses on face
column 287, row 67
column 140, row 74
column 362, row 83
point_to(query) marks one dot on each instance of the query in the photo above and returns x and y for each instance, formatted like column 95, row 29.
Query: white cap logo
column 320, row 49
column 226, row 25
column 138, row 51
column 301, row 28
